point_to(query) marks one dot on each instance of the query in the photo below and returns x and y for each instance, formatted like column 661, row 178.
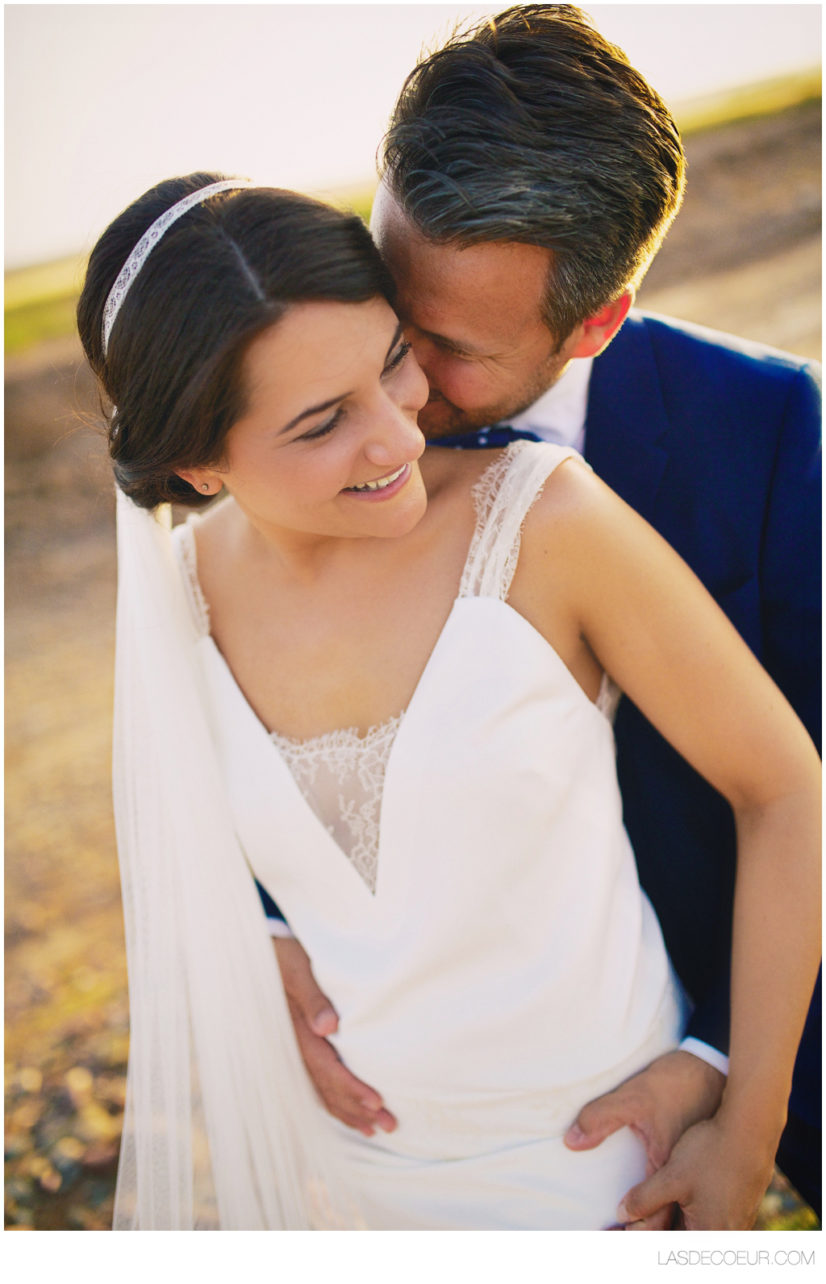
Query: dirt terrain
column 744, row 256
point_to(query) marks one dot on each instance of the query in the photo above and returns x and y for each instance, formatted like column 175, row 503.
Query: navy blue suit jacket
column 716, row 443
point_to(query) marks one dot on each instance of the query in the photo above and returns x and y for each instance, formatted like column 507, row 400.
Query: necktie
column 484, row 438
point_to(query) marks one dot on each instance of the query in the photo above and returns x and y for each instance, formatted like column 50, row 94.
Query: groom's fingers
column 601, row 1118
column 347, row 1098
column 649, row 1203
column 598, row 1120
column 663, row 1220
column 658, row 1103
column 301, row 987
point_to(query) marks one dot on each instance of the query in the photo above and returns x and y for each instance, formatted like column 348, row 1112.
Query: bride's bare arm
column 620, row 592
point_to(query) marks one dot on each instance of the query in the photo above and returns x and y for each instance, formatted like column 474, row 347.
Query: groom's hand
column 659, row 1104
column 314, row 1017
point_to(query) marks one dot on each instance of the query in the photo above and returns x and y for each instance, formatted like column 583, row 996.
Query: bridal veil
column 222, row 1129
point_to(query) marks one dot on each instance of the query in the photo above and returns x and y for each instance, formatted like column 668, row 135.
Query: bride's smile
column 381, row 486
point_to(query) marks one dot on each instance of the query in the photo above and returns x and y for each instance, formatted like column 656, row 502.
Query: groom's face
column 474, row 318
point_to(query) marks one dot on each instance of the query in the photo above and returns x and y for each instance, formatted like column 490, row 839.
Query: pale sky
column 103, row 101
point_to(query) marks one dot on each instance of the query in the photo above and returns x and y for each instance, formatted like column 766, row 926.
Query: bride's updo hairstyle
column 225, row 271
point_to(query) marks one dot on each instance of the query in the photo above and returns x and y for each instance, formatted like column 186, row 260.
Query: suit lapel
column 627, row 424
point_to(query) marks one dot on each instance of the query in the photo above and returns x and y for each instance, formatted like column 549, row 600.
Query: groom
column 535, row 131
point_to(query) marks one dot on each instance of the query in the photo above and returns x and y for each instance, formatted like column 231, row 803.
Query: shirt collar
column 559, row 414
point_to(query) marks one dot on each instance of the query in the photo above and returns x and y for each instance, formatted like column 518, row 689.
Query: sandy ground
column 744, row 256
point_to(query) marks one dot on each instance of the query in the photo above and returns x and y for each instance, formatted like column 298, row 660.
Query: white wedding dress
column 473, row 911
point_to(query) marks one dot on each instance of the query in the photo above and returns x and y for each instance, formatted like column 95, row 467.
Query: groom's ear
column 596, row 332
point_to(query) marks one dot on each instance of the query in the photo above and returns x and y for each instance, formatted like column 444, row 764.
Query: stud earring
column 205, row 486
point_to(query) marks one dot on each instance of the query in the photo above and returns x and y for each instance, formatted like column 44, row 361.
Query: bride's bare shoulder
column 571, row 495
column 578, row 523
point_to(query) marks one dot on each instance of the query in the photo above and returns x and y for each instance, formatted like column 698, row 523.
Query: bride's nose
column 393, row 438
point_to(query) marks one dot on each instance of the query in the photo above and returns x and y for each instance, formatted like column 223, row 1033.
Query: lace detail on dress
column 184, row 542
column 341, row 775
column 503, row 496
column 487, row 529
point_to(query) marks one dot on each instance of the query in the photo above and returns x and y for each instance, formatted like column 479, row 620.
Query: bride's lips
column 381, row 487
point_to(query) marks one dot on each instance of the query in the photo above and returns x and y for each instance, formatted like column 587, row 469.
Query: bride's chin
column 376, row 517
column 406, row 511
column 413, row 516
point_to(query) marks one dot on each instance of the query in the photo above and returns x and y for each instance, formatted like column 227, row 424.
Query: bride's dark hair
column 220, row 275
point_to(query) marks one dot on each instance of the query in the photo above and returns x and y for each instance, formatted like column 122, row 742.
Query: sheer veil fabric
column 222, row 1129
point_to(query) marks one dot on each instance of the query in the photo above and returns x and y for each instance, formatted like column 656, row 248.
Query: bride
column 318, row 683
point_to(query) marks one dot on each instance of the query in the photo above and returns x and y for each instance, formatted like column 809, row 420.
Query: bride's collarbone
column 343, row 653
column 303, row 681
column 344, row 647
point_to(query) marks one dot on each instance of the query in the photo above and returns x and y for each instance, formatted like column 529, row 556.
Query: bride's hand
column 314, row 1017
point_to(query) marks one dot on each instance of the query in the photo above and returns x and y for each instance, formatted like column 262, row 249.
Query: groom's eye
column 454, row 350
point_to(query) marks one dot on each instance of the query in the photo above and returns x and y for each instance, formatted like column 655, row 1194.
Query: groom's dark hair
column 531, row 127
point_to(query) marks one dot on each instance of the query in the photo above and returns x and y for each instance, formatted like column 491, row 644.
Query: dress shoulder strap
column 503, row 496
column 183, row 544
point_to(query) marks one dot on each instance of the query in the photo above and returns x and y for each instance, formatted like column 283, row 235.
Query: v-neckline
column 404, row 718
column 287, row 774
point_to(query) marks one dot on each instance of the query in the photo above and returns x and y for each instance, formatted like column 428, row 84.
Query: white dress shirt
column 559, row 414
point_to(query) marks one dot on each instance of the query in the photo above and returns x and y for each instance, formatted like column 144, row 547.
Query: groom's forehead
column 492, row 286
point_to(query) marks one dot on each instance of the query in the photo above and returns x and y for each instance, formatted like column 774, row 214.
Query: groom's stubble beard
column 441, row 418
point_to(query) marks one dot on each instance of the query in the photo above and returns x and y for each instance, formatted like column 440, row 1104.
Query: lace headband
column 147, row 243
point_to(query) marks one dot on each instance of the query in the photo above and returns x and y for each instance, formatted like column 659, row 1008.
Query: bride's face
column 328, row 444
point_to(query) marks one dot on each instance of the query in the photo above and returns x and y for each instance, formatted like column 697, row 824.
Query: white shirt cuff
column 278, row 928
column 706, row 1053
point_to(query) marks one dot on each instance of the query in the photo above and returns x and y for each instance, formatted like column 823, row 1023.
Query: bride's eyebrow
column 333, row 401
